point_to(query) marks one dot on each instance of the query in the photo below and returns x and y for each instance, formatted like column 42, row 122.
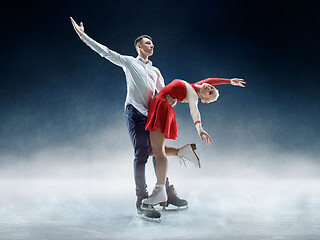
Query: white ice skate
column 187, row 153
column 158, row 196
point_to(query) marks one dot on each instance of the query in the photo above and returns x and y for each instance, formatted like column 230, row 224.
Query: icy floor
column 219, row 208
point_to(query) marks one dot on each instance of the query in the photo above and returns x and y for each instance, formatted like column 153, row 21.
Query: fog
column 85, row 190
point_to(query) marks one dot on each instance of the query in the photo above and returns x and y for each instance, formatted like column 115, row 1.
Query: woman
column 161, row 122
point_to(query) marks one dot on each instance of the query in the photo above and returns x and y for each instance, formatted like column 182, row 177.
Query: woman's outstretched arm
column 218, row 81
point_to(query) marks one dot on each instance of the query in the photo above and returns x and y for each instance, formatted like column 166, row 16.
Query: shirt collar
column 142, row 60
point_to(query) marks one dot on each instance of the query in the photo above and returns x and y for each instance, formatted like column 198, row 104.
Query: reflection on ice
column 92, row 208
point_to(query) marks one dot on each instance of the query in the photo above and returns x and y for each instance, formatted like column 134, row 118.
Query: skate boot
column 158, row 196
column 187, row 153
column 147, row 211
column 174, row 199
column 139, row 203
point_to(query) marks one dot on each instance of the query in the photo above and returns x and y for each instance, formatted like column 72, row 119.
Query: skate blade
column 162, row 204
column 150, row 213
column 154, row 220
column 174, row 208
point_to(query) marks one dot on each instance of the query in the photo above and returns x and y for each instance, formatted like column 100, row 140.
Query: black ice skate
column 147, row 212
column 173, row 199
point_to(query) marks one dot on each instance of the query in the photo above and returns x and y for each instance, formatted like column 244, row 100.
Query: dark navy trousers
column 136, row 123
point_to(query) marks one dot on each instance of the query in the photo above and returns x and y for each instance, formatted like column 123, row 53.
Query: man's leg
column 140, row 141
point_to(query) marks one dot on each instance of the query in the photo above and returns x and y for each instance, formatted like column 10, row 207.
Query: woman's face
column 207, row 92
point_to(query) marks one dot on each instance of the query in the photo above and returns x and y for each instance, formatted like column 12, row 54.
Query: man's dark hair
column 138, row 39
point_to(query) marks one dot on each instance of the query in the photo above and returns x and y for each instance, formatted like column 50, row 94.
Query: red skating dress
column 161, row 115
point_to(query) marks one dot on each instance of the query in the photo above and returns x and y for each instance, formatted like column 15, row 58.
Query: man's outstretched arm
column 79, row 29
column 102, row 50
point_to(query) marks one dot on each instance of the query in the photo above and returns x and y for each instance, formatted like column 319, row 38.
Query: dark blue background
column 54, row 89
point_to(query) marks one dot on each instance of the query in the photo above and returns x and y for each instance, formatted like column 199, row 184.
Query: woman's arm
column 218, row 81
column 192, row 99
column 195, row 114
column 214, row 81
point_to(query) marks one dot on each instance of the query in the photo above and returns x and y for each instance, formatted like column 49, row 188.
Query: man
column 142, row 79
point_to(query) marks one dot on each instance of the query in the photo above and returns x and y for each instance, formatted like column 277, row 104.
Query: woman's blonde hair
column 213, row 98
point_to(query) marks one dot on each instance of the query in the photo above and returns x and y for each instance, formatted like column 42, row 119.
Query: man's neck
column 145, row 57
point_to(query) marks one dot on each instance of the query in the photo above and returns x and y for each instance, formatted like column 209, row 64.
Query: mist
column 85, row 190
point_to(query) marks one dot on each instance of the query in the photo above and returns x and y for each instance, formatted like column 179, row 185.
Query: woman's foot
column 158, row 196
column 187, row 153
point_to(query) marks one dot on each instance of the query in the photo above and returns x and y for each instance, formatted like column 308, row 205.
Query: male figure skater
column 142, row 79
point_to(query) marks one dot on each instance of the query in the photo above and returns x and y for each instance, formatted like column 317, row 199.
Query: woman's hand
column 237, row 82
column 79, row 29
column 171, row 101
column 203, row 134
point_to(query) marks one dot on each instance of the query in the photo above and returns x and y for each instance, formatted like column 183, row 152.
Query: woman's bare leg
column 157, row 140
column 170, row 151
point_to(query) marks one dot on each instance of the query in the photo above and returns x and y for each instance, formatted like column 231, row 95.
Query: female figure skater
column 161, row 122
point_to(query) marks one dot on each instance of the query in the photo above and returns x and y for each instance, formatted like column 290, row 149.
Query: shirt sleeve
column 214, row 81
column 160, row 82
column 103, row 51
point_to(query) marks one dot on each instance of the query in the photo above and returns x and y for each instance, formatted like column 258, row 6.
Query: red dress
column 161, row 115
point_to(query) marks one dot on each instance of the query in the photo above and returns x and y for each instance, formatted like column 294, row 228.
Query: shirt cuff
column 84, row 36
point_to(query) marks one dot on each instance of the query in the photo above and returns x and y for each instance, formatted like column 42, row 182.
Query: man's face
column 146, row 46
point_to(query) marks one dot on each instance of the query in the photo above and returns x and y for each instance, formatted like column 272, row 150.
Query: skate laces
column 155, row 191
column 182, row 161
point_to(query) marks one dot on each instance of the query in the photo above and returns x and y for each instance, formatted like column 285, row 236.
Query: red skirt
column 161, row 117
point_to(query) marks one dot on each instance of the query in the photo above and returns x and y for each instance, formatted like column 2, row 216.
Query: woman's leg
column 157, row 140
column 170, row 151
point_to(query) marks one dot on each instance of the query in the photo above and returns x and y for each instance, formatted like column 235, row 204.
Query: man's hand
column 171, row 101
column 237, row 82
column 204, row 134
column 79, row 29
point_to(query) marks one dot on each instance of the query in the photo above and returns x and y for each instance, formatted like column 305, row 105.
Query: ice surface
column 219, row 208
column 86, row 192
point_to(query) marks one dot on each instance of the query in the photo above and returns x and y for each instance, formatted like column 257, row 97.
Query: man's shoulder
column 129, row 57
column 155, row 68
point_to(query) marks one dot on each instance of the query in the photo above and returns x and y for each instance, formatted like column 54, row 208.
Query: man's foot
column 139, row 203
column 158, row 196
column 187, row 153
column 147, row 210
column 174, row 199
